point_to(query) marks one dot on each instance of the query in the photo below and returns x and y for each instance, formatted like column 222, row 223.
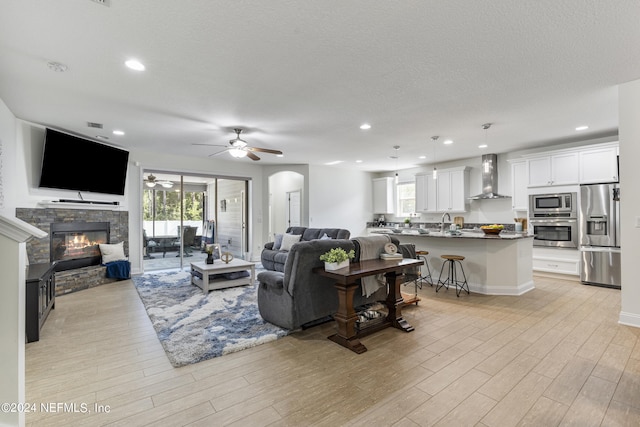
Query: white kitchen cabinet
column 555, row 169
column 452, row 190
column 599, row 165
column 383, row 195
column 432, row 194
column 425, row 193
column 421, row 193
column 559, row 261
column 519, row 183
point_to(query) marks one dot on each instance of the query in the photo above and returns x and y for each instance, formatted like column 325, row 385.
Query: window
column 406, row 202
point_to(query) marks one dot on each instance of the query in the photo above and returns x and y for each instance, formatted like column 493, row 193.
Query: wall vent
column 103, row 2
column 94, row 125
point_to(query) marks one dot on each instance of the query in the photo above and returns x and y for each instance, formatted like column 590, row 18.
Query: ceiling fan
column 239, row 148
column 151, row 181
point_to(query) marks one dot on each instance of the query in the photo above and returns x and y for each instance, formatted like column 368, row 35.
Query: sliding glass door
column 184, row 213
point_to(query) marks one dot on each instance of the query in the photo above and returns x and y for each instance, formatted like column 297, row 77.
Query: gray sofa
column 274, row 259
column 297, row 296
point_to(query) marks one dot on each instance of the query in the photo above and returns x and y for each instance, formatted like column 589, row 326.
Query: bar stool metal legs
column 427, row 277
column 452, row 276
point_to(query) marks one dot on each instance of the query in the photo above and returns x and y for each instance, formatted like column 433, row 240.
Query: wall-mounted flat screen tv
column 73, row 163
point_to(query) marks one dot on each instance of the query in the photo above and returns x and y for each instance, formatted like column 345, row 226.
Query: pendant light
column 435, row 170
column 486, row 165
column 396, row 147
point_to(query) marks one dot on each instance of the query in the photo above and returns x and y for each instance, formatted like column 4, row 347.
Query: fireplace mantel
column 55, row 204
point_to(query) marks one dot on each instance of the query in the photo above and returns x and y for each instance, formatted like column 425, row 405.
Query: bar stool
column 452, row 278
column 426, row 278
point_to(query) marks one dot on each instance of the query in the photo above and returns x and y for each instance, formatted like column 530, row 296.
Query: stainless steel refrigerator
column 599, row 235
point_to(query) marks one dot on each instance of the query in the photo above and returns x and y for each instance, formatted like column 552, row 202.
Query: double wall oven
column 554, row 219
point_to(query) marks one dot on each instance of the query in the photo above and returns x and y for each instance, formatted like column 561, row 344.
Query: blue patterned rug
column 193, row 327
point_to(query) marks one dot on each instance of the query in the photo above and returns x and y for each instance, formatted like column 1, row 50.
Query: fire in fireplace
column 75, row 244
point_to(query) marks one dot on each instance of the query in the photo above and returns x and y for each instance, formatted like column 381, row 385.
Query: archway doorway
column 283, row 210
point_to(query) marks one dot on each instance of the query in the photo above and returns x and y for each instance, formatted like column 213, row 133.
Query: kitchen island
column 494, row 265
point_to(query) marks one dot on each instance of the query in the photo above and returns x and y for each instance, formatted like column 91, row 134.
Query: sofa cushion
column 317, row 233
column 288, row 240
column 277, row 242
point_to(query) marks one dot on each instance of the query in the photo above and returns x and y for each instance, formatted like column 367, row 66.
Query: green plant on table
column 407, row 220
column 337, row 255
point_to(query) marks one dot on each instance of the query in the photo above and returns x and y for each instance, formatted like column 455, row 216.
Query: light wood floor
column 555, row 356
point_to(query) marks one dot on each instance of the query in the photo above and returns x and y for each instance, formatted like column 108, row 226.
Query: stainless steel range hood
column 489, row 179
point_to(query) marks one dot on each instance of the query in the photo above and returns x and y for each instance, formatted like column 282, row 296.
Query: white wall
column 340, row 198
column 629, row 125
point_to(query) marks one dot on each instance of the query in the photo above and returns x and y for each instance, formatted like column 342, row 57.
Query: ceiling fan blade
column 209, row 145
column 252, row 156
column 264, row 150
column 218, row 153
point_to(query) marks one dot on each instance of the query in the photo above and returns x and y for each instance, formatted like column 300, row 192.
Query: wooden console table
column 347, row 282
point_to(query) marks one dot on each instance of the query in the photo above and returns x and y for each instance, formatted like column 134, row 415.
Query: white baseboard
column 629, row 319
column 501, row 290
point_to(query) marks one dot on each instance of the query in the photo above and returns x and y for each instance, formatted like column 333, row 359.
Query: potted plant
column 407, row 222
column 336, row 258
column 209, row 251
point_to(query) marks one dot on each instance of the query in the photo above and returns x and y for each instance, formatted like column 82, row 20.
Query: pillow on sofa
column 113, row 252
column 325, row 237
column 277, row 242
column 288, row 240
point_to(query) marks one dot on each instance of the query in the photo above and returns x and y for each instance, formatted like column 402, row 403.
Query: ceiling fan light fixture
column 166, row 184
column 238, row 153
column 150, row 181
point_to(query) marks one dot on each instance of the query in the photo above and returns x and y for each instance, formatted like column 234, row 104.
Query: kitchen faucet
column 442, row 223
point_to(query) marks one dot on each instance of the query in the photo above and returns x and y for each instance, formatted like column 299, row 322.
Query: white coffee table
column 218, row 267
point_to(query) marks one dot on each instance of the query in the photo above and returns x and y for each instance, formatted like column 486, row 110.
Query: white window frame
column 398, row 199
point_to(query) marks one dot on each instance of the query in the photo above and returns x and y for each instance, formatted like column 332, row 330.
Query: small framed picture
column 213, row 249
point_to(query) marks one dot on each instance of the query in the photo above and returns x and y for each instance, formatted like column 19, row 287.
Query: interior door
column 293, row 212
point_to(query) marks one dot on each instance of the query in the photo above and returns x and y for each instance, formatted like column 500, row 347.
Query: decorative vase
column 330, row 266
column 209, row 259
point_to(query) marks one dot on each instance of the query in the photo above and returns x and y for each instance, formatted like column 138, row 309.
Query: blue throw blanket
column 118, row 269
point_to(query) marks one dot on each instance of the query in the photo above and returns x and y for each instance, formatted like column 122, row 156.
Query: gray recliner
column 298, row 296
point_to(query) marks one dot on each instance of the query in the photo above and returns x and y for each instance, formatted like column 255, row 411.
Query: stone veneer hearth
column 38, row 249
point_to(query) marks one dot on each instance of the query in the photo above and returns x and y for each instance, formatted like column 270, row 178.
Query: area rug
column 193, row 327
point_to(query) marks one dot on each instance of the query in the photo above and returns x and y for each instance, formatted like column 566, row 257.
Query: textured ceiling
column 302, row 76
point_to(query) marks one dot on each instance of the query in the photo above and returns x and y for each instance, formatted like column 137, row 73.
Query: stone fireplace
column 75, row 244
column 81, row 267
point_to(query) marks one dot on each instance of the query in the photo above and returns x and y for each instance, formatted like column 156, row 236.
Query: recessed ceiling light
column 102, row 137
column 422, row 157
column 579, row 128
column 118, row 132
column 447, row 142
column 483, row 146
column 134, row 64
column 358, row 161
column 57, row 67
column 365, row 126
column 334, row 162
